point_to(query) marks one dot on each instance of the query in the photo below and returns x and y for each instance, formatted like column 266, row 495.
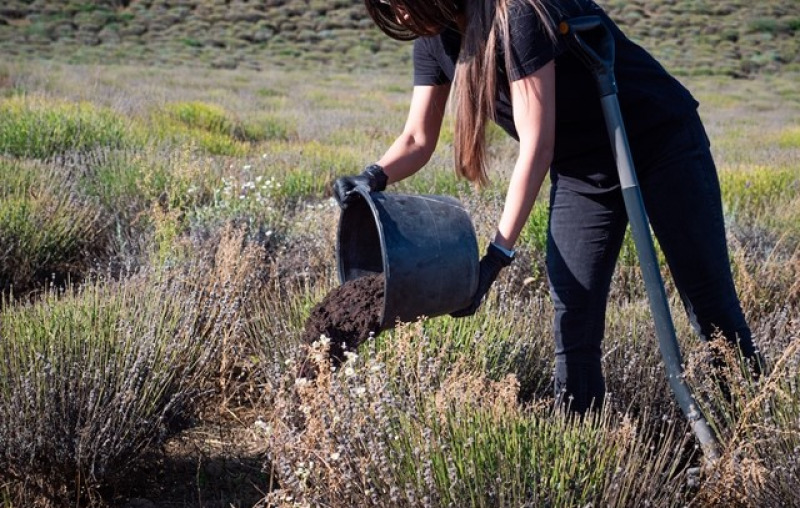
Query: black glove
column 373, row 178
column 491, row 263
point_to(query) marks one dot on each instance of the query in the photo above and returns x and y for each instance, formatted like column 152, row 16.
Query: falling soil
column 347, row 315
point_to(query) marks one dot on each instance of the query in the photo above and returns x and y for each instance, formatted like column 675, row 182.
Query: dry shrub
column 295, row 276
column 767, row 281
column 403, row 427
column 316, row 444
column 306, row 257
column 104, row 375
column 238, row 263
column 757, row 421
column 331, row 439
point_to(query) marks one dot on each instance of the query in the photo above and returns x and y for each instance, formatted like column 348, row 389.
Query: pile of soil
column 347, row 315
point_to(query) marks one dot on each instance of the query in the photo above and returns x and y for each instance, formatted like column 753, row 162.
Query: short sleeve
column 531, row 47
column 427, row 69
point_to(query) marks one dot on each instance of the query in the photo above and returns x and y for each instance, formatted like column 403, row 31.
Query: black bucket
column 424, row 245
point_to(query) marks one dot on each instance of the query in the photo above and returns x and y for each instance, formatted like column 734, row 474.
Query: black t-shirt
column 649, row 97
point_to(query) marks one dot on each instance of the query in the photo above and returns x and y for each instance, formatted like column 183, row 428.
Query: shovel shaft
column 651, row 273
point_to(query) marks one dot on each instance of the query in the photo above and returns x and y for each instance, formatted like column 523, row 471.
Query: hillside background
column 725, row 37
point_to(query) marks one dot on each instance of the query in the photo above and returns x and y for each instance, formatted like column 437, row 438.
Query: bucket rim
column 367, row 195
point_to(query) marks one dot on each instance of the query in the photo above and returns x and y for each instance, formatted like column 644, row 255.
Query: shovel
column 592, row 43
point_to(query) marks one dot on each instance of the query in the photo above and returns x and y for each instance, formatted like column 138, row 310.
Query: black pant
column 679, row 185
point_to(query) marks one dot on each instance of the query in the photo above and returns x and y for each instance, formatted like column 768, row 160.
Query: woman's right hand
column 372, row 178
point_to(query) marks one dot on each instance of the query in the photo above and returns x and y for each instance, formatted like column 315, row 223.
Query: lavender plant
column 91, row 379
column 398, row 428
column 47, row 230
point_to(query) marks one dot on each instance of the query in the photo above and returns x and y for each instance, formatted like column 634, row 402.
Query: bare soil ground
column 217, row 465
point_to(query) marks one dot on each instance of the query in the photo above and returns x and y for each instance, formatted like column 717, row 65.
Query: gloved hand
column 490, row 265
column 373, row 178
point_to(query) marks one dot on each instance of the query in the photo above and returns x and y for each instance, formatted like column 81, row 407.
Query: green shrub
column 202, row 125
column 789, row 137
column 267, row 128
column 201, row 116
column 435, row 179
column 767, row 25
column 191, row 42
column 480, row 456
column 132, row 187
column 534, row 233
column 270, row 92
column 38, row 127
column 757, row 193
column 216, row 144
column 306, row 168
column 214, row 129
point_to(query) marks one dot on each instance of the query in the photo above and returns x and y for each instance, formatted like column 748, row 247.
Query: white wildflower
column 262, row 426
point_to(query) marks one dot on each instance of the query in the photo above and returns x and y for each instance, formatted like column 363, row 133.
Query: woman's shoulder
column 555, row 9
column 448, row 41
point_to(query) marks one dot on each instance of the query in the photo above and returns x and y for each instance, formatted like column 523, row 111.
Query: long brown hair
column 483, row 23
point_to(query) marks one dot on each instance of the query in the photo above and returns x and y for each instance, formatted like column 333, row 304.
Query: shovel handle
column 591, row 41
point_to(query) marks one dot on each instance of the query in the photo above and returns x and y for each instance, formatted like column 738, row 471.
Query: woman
column 507, row 64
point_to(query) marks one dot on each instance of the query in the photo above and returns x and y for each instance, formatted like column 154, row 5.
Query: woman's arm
column 415, row 145
column 533, row 101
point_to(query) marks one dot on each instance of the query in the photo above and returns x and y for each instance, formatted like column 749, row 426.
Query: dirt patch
column 347, row 315
column 215, row 465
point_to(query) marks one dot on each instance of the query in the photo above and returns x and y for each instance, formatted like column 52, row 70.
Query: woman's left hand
column 490, row 266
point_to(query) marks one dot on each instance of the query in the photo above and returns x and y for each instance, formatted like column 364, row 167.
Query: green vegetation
column 452, row 436
column 46, row 231
column 763, row 195
column 38, row 127
column 213, row 129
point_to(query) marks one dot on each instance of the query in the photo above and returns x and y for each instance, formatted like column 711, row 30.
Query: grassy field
column 165, row 232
